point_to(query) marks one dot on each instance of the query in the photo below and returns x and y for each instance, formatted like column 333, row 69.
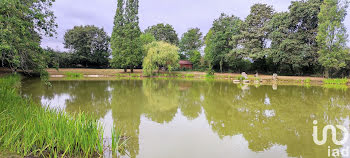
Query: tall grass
column 240, row 77
column 28, row 129
column 336, row 81
column 189, row 75
column 308, row 80
column 73, row 75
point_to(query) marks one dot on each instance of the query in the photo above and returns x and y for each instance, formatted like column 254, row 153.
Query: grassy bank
column 119, row 72
column 110, row 74
column 27, row 129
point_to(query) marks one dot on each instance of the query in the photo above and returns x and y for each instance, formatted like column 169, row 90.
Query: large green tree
column 221, row 40
column 146, row 38
column 125, row 42
column 191, row 41
column 254, row 31
column 22, row 25
column 332, row 35
column 293, row 38
column 164, row 32
column 90, row 45
column 209, row 49
column 160, row 54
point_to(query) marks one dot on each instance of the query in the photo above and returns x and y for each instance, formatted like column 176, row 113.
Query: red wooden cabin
column 185, row 64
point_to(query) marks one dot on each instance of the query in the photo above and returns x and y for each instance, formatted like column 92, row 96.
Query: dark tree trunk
column 132, row 69
column 292, row 69
column 125, row 70
column 326, row 73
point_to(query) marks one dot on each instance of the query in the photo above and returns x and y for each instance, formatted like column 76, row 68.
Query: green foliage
column 52, row 58
column 191, row 41
column 118, row 75
column 195, row 58
column 238, row 64
column 89, row 44
column 209, row 49
column 28, row 129
column 240, row 77
column 332, row 35
column 57, row 59
column 179, row 75
column 22, row 25
column 74, row 75
column 210, row 72
column 135, row 75
column 294, row 45
column 125, row 42
column 164, row 32
column 160, row 54
column 189, row 75
column 209, row 77
column 146, row 38
column 335, row 81
column 118, row 144
column 255, row 33
column 219, row 40
column 308, row 80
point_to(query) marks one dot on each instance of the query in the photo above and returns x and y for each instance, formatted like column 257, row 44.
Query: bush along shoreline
column 27, row 129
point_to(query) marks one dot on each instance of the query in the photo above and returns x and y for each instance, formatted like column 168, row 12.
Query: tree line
column 308, row 39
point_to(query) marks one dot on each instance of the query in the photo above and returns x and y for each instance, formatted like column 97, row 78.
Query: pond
column 188, row 118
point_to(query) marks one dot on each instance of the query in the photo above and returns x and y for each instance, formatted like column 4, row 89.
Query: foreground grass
column 30, row 130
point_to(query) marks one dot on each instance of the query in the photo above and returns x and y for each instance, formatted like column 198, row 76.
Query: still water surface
column 200, row 119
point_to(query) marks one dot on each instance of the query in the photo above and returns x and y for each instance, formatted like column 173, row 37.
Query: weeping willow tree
column 160, row 55
column 22, row 25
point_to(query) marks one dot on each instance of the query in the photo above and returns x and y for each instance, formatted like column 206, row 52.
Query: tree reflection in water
column 263, row 116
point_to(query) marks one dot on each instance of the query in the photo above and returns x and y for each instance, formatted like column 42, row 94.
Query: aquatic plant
column 179, row 75
column 73, row 75
column 209, row 77
column 336, row 81
column 189, row 75
column 134, row 75
column 240, row 77
column 308, row 80
column 118, row 75
column 203, row 76
column 28, row 129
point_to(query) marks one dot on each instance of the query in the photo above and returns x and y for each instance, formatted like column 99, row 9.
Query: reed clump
column 339, row 81
column 28, row 129
column 74, row 75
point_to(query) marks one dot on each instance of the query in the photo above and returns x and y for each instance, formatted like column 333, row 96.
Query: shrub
column 189, row 75
column 74, row 75
column 336, row 81
column 308, row 80
column 240, row 77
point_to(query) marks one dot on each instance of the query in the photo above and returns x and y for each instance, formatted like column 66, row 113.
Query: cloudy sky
column 182, row 14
